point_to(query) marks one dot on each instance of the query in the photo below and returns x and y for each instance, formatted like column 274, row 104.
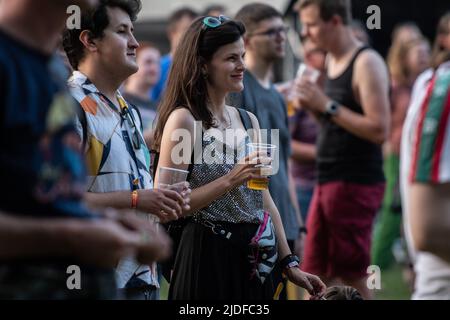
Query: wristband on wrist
column 303, row 230
column 134, row 199
column 290, row 261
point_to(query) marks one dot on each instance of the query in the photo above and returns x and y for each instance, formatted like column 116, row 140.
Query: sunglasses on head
column 214, row 22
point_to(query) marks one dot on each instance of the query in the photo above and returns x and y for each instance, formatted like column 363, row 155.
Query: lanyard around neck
column 133, row 137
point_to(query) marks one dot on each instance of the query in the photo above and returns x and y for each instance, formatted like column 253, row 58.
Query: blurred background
column 153, row 19
column 152, row 25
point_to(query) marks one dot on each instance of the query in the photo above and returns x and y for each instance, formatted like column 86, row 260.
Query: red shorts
column 339, row 227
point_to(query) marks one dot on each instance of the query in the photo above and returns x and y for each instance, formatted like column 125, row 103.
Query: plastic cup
column 306, row 72
column 264, row 150
column 286, row 89
column 169, row 177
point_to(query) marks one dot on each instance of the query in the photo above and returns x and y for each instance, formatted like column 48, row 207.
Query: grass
column 164, row 292
column 393, row 285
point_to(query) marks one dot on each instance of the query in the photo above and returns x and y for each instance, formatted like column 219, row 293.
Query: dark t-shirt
column 341, row 155
column 269, row 107
column 42, row 172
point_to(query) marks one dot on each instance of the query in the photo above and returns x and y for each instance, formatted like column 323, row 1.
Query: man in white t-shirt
column 425, row 174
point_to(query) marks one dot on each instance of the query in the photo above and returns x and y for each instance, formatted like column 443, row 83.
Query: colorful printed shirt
column 116, row 154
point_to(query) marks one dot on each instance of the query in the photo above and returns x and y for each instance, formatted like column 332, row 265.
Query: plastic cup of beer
column 170, row 177
column 306, row 72
column 292, row 103
column 287, row 90
column 264, row 151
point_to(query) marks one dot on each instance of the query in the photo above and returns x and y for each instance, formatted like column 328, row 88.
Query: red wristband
column 134, row 199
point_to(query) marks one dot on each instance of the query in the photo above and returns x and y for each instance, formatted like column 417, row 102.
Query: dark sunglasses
column 214, row 22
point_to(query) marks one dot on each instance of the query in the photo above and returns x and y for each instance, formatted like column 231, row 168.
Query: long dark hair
column 187, row 85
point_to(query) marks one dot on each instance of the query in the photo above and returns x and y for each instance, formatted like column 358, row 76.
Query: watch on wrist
column 331, row 109
column 303, row 230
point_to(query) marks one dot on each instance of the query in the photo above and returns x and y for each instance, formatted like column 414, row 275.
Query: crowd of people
column 359, row 160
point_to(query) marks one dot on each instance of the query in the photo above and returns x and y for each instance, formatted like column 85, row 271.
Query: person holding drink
column 103, row 54
column 268, row 151
column 304, row 130
column 228, row 249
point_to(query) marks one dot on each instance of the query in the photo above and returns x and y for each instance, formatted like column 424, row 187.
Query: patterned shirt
column 116, row 154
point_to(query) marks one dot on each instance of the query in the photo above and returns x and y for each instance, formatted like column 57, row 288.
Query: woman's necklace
column 229, row 119
column 228, row 124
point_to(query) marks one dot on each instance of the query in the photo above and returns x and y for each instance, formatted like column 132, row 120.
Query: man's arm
column 303, row 152
column 371, row 82
column 166, row 204
column 101, row 242
column 22, row 237
column 430, row 218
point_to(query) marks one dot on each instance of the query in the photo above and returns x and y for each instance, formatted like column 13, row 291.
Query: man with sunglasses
column 103, row 54
column 265, row 42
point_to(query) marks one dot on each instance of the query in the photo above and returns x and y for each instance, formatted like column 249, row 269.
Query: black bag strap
column 245, row 117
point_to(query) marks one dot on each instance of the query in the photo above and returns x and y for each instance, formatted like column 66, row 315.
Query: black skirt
column 210, row 267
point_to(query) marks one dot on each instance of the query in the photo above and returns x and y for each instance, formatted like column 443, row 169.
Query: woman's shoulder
column 181, row 116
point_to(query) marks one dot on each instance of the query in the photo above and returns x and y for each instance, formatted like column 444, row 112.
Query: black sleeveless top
column 343, row 156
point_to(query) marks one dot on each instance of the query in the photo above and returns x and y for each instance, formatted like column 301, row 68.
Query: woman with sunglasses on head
column 214, row 259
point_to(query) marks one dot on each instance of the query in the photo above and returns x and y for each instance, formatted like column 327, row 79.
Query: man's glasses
column 272, row 32
column 214, row 22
